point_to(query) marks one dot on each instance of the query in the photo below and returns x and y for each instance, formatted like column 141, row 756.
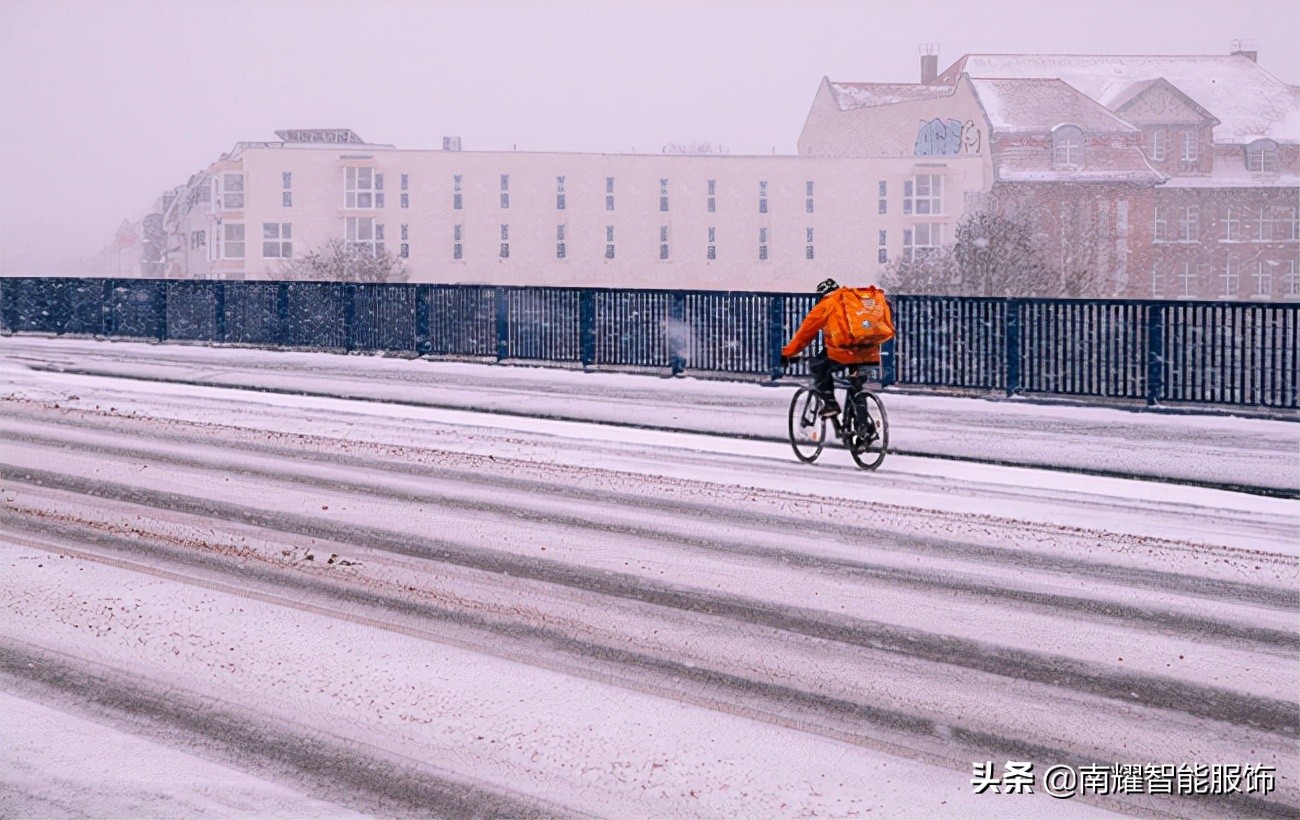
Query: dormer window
column 1067, row 147
column 1261, row 157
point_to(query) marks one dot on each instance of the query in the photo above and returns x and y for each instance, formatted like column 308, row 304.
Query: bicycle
column 861, row 424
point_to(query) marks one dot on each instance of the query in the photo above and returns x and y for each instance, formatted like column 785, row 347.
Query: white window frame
column 561, row 237
column 762, row 196
column 762, row 244
column 664, row 248
column 457, row 197
column 277, row 239
column 808, row 244
column 457, row 245
column 711, row 249
column 504, row 251
column 712, row 196
column 363, row 188
column 1160, row 230
column 1159, row 140
column 286, row 192
column 1261, row 157
column 1291, row 280
column 230, row 240
column 1231, row 276
column 1189, row 276
column 561, row 200
column 1067, row 147
column 229, row 190
column 364, row 232
column 1263, row 277
column 1157, row 281
column 1191, row 146
column 923, row 195
column 609, row 241
column 922, row 240
column 1189, row 224
column 663, row 194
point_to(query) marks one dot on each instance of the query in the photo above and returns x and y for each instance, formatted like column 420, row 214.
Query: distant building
column 1145, row 177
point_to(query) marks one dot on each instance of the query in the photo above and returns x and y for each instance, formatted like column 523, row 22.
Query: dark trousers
column 823, row 370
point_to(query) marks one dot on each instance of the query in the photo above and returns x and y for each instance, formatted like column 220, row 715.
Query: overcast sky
column 104, row 104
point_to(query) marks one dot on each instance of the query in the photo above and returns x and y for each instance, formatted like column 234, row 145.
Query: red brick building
column 1145, row 176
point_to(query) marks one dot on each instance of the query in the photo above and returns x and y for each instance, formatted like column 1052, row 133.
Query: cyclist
column 829, row 315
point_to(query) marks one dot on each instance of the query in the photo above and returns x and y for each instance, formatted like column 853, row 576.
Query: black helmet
column 826, row 286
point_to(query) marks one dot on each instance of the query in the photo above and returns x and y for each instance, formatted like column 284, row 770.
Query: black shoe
column 830, row 411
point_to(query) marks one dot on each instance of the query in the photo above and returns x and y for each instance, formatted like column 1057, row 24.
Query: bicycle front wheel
column 807, row 427
column 868, row 436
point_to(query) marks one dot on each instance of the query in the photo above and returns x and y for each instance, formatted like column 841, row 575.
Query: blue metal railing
column 1213, row 352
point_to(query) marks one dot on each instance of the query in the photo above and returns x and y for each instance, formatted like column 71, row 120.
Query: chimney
column 1246, row 48
column 929, row 62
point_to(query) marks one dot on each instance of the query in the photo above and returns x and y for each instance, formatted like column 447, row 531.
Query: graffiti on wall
column 947, row 138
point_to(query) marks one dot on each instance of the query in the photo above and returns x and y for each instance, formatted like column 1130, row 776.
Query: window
column 1263, row 280
column 505, row 241
column 1157, row 281
column 230, row 192
column 1189, row 279
column 276, row 238
column 609, row 193
column 232, row 245
column 923, row 194
column 559, row 194
column 663, row 242
column 286, row 195
column 363, row 188
column 1232, row 224
column 1067, row 147
column 1291, row 280
column 1278, row 224
column 663, row 194
column 882, row 256
column 456, row 247
column 456, row 201
column 1231, row 276
column 1189, row 224
column 1158, row 145
column 560, row 245
column 609, row 241
column 1191, row 146
column 712, row 250
column 713, row 195
column 762, row 196
column 808, row 196
column 364, row 233
column 1160, row 233
column 808, row 244
column 505, row 190
column 406, row 186
column 405, row 249
column 922, row 241
column 883, row 237
column 762, row 244
column 198, row 239
column 1261, row 157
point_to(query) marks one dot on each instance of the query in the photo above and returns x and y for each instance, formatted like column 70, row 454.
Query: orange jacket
column 828, row 315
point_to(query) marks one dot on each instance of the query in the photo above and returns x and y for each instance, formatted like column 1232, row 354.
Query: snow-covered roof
column 867, row 95
column 1249, row 102
column 1039, row 105
column 1032, row 164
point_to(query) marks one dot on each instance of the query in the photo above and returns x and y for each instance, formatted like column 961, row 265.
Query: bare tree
column 339, row 261
column 933, row 273
column 998, row 256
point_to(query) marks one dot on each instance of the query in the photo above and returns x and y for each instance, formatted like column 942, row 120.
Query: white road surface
column 240, row 582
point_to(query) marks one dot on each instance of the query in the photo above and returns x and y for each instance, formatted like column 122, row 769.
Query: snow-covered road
column 367, row 586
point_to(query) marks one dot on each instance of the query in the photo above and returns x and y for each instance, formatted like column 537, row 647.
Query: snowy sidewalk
column 1215, row 449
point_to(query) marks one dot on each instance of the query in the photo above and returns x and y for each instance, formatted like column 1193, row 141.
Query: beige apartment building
column 1148, row 177
column 519, row 218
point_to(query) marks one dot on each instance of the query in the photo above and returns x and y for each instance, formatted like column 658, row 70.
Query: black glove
column 786, row 361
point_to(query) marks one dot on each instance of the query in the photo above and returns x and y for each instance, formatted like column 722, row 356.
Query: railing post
column 587, row 326
column 1155, row 353
column 775, row 335
column 423, row 305
column 220, row 329
column 1011, row 338
column 282, row 315
column 350, row 316
column 676, row 331
column 160, row 304
column 106, row 309
column 503, row 324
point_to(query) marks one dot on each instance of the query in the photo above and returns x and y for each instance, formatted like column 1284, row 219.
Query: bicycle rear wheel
column 868, row 430
column 807, row 427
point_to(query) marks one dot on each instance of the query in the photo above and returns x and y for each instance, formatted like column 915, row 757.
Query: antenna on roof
column 1248, row 48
